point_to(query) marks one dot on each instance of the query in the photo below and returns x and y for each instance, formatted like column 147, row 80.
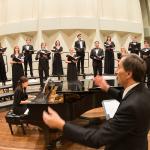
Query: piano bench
column 13, row 119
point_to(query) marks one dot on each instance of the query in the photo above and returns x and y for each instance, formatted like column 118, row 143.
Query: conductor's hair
column 136, row 65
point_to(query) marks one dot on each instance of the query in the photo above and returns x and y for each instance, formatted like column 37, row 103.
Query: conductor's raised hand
column 52, row 119
column 101, row 82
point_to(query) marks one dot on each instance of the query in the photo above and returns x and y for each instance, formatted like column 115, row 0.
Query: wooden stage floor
column 33, row 140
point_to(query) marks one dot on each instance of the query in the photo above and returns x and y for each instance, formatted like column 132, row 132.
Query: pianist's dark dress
column 71, row 70
column 19, row 95
column 109, row 57
column 57, row 61
column 3, row 76
column 17, row 70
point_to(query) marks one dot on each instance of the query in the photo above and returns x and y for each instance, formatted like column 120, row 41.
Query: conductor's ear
column 130, row 74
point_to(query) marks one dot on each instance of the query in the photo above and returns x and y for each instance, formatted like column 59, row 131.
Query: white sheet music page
column 110, row 107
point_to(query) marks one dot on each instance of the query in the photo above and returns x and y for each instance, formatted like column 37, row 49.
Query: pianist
column 21, row 97
column 129, row 127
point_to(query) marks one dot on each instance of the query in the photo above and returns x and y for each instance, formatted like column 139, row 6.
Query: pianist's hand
column 101, row 82
column 52, row 119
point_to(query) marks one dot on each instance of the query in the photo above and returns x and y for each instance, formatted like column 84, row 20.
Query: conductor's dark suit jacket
column 127, row 130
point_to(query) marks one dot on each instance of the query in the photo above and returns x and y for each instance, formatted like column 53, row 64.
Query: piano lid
column 75, row 86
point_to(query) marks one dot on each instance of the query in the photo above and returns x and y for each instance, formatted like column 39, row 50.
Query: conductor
column 129, row 127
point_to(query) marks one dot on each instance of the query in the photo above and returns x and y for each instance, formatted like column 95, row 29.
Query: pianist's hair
column 22, row 80
column 136, row 65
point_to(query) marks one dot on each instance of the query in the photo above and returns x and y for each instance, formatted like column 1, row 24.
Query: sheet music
column 45, row 52
column 26, row 112
column 110, row 107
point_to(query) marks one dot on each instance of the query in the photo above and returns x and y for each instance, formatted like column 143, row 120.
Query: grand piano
column 78, row 97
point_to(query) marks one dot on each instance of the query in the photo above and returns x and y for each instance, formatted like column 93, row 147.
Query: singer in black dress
column 109, row 56
column 57, row 61
column 3, row 77
column 71, row 68
column 17, row 67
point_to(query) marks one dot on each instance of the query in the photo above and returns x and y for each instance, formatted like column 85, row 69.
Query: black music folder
column 56, row 51
column 72, row 58
column 45, row 52
column 16, row 59
column 99, row 57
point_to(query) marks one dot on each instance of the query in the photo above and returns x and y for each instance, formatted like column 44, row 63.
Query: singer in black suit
column 43, row 56
column 129, row 127
column 28, row 50
column 134, row 46
column 80, row 48
column 145, row 54
column 97, row 54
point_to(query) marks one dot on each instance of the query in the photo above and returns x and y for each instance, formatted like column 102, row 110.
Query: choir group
column 75, row 59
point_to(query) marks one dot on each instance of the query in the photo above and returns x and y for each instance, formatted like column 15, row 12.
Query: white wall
column 49, row 20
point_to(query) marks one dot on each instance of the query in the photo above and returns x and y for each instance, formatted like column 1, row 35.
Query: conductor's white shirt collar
column 128, row 89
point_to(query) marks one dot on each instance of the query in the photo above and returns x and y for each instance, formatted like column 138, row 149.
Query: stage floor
column 33, row 140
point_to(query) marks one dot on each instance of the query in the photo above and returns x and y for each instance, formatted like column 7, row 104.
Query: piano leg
column 48, row 143
column 52, row 139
